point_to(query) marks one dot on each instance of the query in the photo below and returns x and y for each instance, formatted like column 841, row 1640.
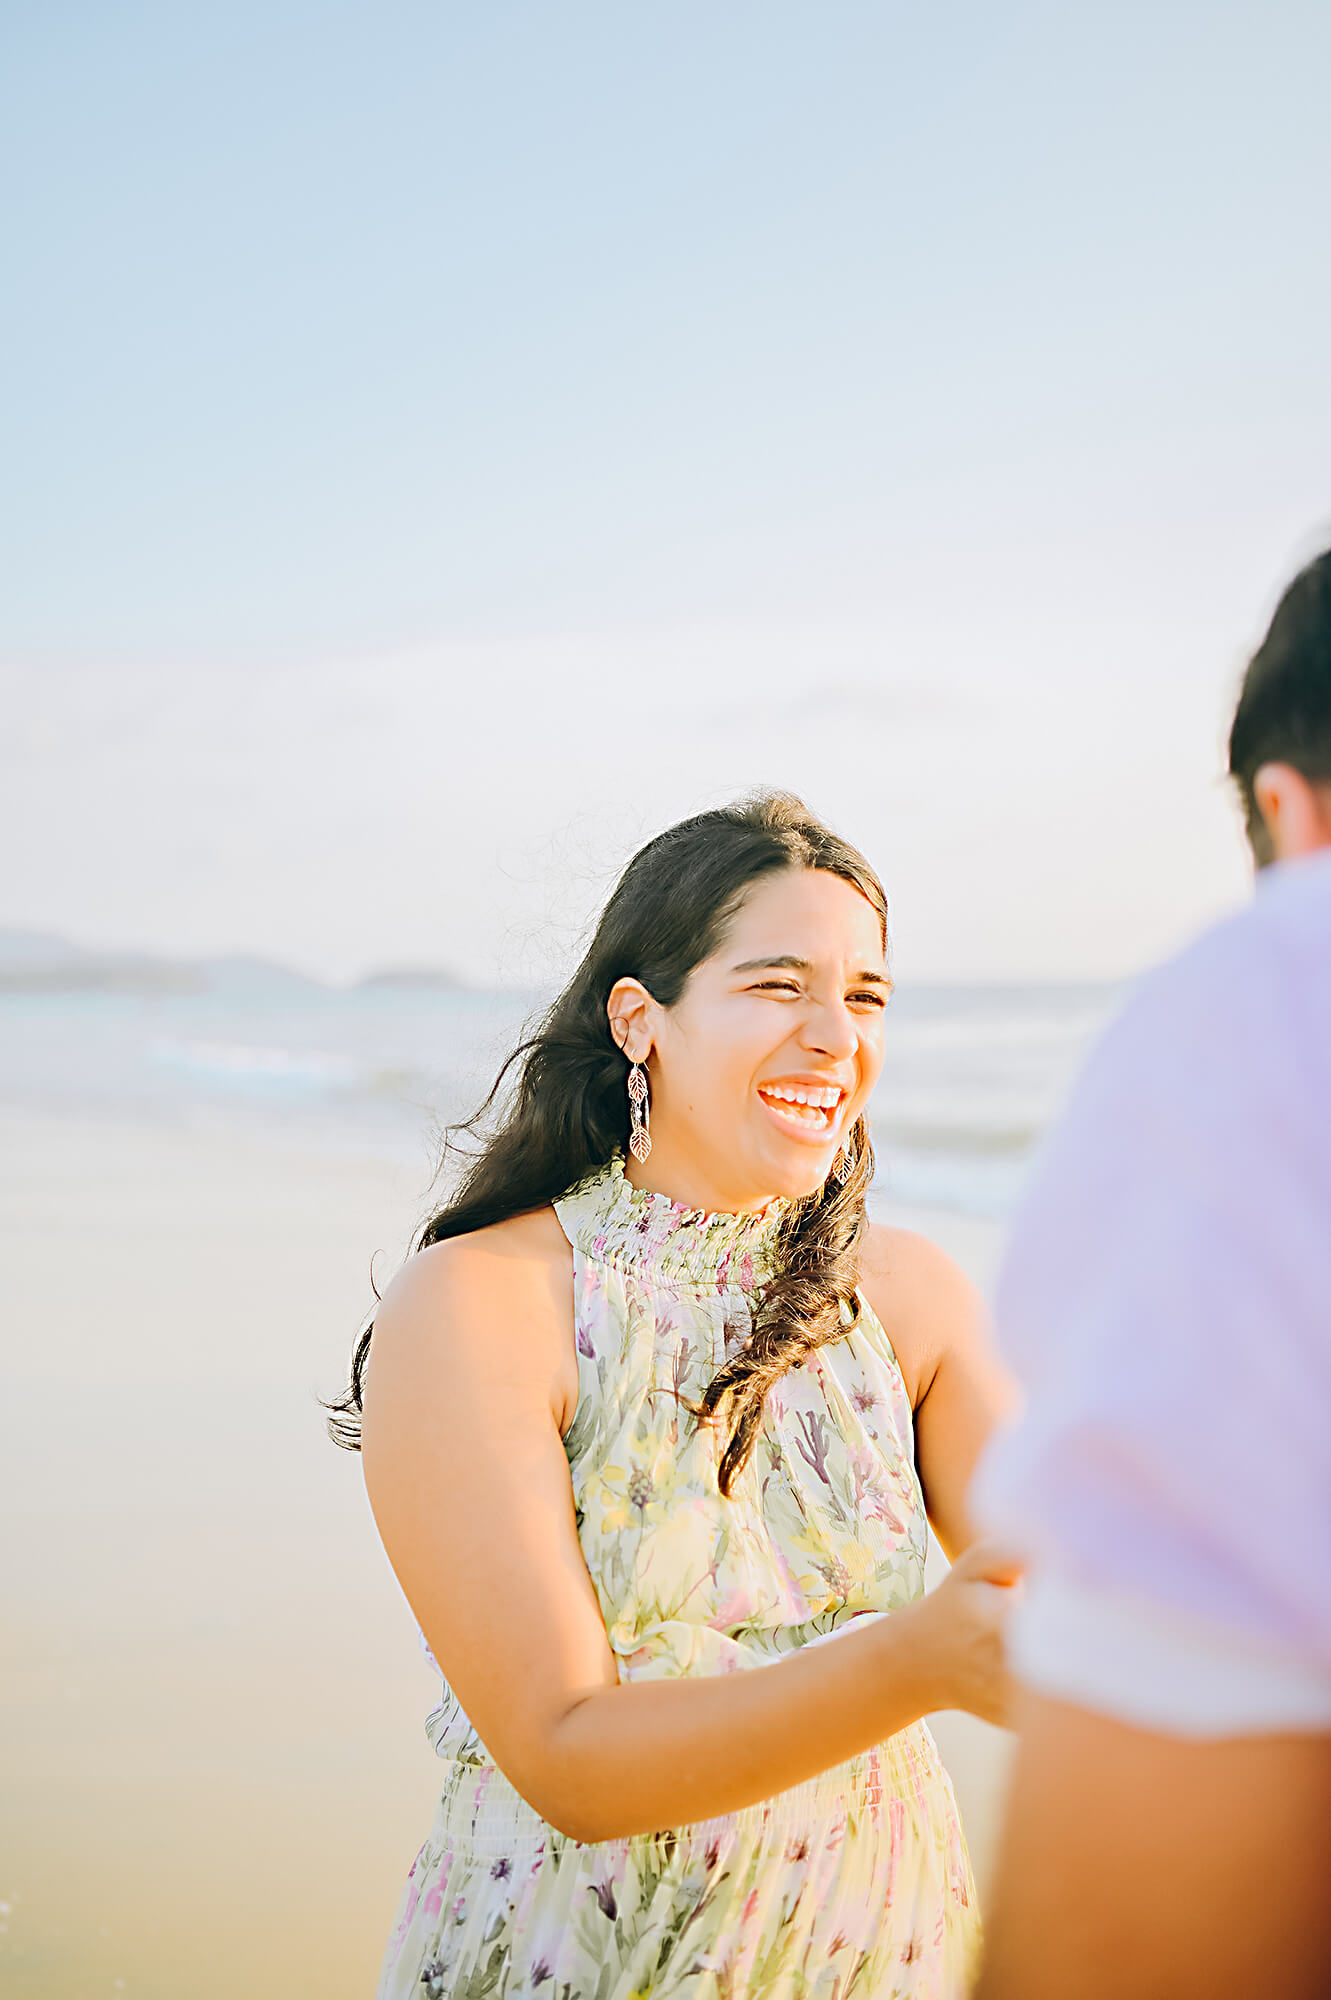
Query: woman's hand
column 964, row 1620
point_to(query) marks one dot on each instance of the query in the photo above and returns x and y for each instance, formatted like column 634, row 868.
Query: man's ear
column 630, row 1011
column 1295, row 810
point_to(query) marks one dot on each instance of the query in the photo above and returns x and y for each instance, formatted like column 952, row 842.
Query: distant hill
column 434, row 978
column 40, row 962
column 43, row 962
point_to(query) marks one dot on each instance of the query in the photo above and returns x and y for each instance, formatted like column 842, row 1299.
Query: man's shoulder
column 1288, row 917
column 1211, row 1086
column 1240, row 990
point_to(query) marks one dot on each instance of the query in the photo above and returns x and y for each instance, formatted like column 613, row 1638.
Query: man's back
column 1169, row 1293
column 1167, row 1297
column 1168, row 1300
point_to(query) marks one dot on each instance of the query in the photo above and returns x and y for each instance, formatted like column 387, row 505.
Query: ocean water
column 972, row 1077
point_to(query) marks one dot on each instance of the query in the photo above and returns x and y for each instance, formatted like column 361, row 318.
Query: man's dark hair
column 1284, row 711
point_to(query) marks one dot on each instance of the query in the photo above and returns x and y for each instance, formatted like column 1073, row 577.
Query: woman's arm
column 472, row 1376
column 938, row 1326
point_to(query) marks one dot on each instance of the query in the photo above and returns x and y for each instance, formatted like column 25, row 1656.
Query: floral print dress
column 856, row 1883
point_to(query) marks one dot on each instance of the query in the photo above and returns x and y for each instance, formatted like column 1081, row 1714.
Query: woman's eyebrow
column 787, row 963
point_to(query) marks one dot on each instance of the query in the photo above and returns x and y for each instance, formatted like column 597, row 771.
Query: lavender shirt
column 1166, row 1300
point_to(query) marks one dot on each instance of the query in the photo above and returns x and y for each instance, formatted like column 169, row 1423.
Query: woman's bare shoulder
column 508, row 1256
column 922, row 1298
column 904, row 1258
column 495, row 1303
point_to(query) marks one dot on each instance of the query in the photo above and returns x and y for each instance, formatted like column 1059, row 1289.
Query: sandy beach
column 211, row 1702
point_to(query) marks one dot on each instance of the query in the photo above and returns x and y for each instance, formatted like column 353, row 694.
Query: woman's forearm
column 653, row 1754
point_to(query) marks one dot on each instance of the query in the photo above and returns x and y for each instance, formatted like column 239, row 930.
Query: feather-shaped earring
column 640, row 1113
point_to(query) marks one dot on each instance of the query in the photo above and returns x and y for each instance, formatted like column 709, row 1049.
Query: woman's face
column 761, row 1068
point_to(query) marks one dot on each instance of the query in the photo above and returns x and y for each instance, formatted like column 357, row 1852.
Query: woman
column 648, row 1418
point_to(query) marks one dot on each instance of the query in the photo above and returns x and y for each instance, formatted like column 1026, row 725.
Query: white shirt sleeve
column 1167, row 1301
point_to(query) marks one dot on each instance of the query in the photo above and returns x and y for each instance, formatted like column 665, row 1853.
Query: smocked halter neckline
column 638, row 1229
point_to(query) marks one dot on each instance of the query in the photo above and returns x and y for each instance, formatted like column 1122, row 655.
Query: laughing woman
column 651, row 1414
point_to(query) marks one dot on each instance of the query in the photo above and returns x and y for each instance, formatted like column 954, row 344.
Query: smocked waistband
column 479, row 1808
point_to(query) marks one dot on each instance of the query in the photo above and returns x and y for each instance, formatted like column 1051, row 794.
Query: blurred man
column 1167, row 1299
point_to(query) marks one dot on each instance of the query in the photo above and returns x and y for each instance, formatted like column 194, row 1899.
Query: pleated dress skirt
column 856, row 1883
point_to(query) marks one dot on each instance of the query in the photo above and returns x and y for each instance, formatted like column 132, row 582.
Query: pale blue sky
column 405, row 405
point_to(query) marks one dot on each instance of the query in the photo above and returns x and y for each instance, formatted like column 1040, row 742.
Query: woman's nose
column 830, row 1031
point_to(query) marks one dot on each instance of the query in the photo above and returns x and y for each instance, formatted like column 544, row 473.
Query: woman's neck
column 682, row 1177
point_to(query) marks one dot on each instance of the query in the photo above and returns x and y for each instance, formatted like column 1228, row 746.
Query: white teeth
column 824, row 1100
column 804, row 1104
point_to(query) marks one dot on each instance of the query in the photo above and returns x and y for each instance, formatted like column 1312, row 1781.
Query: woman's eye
column 776, row 986
column 871, row 999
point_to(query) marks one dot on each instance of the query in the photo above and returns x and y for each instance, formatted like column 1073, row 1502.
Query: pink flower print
column 403, row 1924
column 434, row 1901
column 544, row 1948
column 793, row 1601
column 896, row 1818
column 680, row 1362
column 870, row 1490
column 813, row 1444
column 735, row 1607
column 956, row 1866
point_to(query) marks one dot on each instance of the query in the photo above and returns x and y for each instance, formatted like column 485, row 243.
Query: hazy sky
column 443, row 443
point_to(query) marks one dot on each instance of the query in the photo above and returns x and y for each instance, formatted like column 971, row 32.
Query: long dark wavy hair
column 558, row 1109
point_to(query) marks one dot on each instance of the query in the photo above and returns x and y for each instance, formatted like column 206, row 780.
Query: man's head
column 1280, row 743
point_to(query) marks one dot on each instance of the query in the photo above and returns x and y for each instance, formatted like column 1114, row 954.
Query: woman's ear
column 629, row 1011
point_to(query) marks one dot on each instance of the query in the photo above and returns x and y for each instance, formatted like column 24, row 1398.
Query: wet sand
column 211, row 1703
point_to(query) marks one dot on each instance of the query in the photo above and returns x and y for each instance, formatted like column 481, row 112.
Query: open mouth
column 809, row 1109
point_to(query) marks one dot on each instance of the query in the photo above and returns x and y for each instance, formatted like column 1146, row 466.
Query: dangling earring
column 640, row 1134
column 842, row 1165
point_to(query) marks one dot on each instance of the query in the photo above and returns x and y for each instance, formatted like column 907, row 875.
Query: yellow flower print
column 609, row 1503
column 844, row 1574
column 636, row 1496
